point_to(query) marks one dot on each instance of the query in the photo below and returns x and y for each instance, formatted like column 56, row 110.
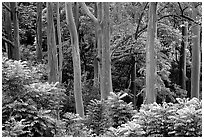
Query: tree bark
column 195, row 67
column 76, row 59
column 106, row 61
column 39, row 31
column 183, row 56
column 16, row 54
column 95, row 61
column 133, row 79
column 8, row 29
column 60, row 44
column 151, row 56
column 52, row 49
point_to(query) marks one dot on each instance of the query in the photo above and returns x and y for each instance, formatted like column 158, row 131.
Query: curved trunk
column 76, row 59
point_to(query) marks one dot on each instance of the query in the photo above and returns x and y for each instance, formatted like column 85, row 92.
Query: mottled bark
column 39, row 31
column 16, row 54
column 60, row 44
column 183, row 56
column 106, row 61
column 51, row 43
column 76, row 59
column 195, row 67
column 151, row 56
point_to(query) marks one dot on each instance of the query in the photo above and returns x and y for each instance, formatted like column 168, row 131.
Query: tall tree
column 51, row 43
column 150, row 55
column 60, row 44
column 106, row 61
column 95, row 61
column 16, row 54
column 100, row 43
column 39, row 31
column 183, row 55
column 76, row 59
column 195, row 67
column 8, row 29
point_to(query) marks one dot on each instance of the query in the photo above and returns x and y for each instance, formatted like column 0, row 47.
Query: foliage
column 97, row 118
column 25, row 120
column 71, row 125
column 119, row 111
column 28, row 108
column 167, row 120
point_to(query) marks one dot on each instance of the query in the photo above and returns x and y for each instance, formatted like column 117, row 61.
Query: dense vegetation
column 35, row 105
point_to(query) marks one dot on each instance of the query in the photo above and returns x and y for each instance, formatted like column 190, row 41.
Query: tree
column 195, row 67
column 16, row 54
column 106, row 61
column 103, row 46
column 76, row 59
column 8, row 30
column 151, row 56
column 51, row 43
column 183, row 55
column 59, row 43
column 39, row 31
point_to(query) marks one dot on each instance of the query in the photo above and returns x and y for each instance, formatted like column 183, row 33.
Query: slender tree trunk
column 195, row 67
column 76, row 59
column 95, row 61
column 16, row 54
column 151, row 56
column 106, row 61
column 39, row 31
column 52, row 49
column 8, row 29
column 99, row 43
column 60, row 43
column 183, row 56
column 133, row 78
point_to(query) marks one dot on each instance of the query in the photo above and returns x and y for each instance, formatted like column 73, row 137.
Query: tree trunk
column 99, row 43
column 60, row 44
column 151, row 56
column 76, row 59
column 8, row 29
column 95, row 61
column 106, row 61
column 133, row 78
column 195, row 67
column 183, row 56
column 39, row 31
column 51, row 42
column 16, row 54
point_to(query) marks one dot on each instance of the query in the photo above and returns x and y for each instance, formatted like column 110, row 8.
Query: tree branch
column 86, row 10
column 6, row 6
column 8, row 41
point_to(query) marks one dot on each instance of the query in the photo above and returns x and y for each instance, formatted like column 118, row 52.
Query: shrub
column 166, row 120
column 119, row 111
column 97, row 119
column 28, row 108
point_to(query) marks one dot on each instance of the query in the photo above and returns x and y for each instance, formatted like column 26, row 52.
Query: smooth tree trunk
column 106, row 61
column 8, row 29
column 76, row 59
column 39, row 31
column 195, row 67
column 133, row 81
column 99, row 42
column 60, row 44
column 95, row 61
column 52, row 49
column 151, row 56
column 183, row 56
column 99, row 34
column 16, row 54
